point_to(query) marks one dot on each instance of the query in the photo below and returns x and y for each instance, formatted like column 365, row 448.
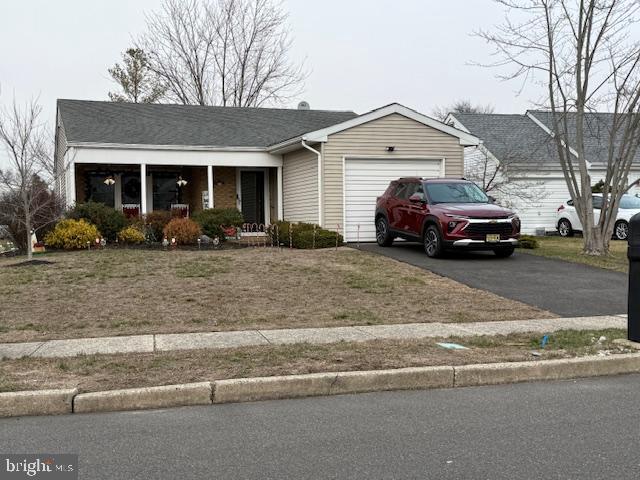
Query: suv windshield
column 629, row 202
column 455, row 192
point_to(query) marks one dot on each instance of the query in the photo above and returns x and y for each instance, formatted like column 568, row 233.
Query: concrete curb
column 48, row 402
column 498, row 373
column 144, row 398
column 37, row 402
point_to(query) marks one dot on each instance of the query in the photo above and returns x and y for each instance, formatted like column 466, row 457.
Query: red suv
column 443, row 214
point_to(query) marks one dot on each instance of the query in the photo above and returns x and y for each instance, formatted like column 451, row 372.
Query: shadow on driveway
column 564, row 288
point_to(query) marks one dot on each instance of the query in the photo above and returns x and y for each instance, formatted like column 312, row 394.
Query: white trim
column 210, row 186
column 466, row 139
column 266, row 192
column 280, row 183
column 72, row 185
column 319, row 155
column 176, row 157
column 144, row 146
column 143, row 189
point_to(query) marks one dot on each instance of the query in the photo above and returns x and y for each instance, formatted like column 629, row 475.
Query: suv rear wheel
column 383, row 236
column 432, row 241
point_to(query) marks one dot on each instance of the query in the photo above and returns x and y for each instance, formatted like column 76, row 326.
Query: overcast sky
column 361, row 53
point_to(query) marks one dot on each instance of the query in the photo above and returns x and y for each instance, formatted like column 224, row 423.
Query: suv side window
column 401, row 191
column 597, row 202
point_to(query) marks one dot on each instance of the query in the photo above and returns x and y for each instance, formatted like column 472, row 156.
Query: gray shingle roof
column 161, row 124
column 518, row 139
column 511, row 138
column 597, row 128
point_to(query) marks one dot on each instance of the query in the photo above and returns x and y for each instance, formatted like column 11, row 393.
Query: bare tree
column 584, row 54
column 460, row 106
column 503, row 178
column 24, row 184
column 222, row 52
column 138, row 83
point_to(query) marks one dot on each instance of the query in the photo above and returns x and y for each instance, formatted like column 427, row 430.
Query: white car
column 568, row 223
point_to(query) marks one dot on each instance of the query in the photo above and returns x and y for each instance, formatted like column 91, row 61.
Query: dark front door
column 252, row 196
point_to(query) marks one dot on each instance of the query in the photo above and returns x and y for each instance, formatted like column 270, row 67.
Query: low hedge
column 184, row 230
column 528, row 242
column 106, row 219
column 72, row 234
column 303, row 235
column 132, row 235
column 212, row 220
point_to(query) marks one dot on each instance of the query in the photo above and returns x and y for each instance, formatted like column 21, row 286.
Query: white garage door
column 542, row 213
column 366, row 179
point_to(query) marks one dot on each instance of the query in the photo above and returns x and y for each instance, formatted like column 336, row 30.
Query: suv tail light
column 560, row 208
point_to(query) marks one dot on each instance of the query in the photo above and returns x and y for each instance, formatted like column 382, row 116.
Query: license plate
column 493, row 238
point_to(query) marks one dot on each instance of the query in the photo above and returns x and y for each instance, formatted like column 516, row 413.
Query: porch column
column 280, row 194
column 71, row 188
column 210, row 185
column 143, row 189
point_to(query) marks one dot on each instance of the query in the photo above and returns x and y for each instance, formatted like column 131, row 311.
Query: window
column 165, row 190
column 98, row 191
column 405, row 190
column 596, row 202
column 131, row 188
column 455, row 192
column 629, row 202
column 401, row 191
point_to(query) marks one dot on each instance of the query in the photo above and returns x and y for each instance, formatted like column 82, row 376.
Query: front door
column 252, row 196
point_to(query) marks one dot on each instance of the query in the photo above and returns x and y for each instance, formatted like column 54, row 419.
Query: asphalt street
column 582, row 429
column 564, row 288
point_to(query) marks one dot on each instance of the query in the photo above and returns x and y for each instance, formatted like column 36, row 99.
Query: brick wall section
column 224, row 196
column 197, row 177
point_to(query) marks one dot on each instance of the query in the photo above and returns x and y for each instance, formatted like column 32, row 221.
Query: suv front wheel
column 383, row 235
column 432, row 242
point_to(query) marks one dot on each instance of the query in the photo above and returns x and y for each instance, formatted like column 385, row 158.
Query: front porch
column 141, row 189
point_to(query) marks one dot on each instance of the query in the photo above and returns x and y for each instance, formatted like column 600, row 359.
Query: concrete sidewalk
column 217, row 340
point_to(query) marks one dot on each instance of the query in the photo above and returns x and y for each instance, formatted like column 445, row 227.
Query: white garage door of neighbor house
column 366, row 179
column 542, row 212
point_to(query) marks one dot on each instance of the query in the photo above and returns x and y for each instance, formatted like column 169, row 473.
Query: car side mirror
column 491, row 199
column 417, row 198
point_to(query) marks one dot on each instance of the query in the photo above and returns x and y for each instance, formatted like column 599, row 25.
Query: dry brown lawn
column 118, row 292
column 105, row 372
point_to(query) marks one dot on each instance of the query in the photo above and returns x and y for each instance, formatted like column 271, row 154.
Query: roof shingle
column 189, row 125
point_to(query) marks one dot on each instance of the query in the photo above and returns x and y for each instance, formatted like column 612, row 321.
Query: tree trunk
column 594, row 242
column 29, row 244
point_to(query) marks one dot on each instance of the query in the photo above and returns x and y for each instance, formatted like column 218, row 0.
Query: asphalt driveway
column 567, row 289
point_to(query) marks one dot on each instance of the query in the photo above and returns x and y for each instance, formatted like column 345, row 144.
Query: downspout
column 304, row 144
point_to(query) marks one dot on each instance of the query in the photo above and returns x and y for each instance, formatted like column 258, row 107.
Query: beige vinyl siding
column 300, row 186
column 411, row 139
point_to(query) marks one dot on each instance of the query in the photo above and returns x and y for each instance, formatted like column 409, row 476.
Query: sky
column 361, row 54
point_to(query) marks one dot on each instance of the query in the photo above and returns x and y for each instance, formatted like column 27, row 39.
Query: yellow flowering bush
column 131, row 234
column 72, row 234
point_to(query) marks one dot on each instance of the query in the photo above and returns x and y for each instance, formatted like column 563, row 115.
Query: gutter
column 304, row 144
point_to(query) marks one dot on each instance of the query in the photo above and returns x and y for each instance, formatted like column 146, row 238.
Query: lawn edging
column 51, row 402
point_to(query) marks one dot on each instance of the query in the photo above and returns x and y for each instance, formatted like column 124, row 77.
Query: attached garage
column 335, row 174
column 367, row 178
column 542, row 212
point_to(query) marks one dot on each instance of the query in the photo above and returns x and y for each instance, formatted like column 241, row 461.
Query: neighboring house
column 524, row 145
column 300, row 165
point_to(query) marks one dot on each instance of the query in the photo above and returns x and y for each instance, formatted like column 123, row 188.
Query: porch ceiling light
column 181, row 181
column 109, row 181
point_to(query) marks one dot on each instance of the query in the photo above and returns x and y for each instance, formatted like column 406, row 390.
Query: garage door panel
column 367, row 179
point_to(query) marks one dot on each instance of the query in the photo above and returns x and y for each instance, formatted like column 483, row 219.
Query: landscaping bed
column 105, row 372
column 122, row 292
column 570, row 249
